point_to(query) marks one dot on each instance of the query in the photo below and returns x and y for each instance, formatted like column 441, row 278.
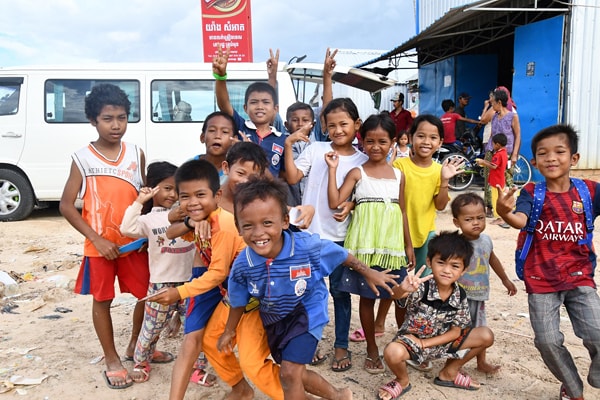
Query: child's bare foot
column 488, row 368
column 344, row 394
column 241, row 391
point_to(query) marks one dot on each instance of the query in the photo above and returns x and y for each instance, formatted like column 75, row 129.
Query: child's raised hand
column 272, row 62
column 332, row 159
column 506, row 200
column 240, row 137
column 146, row 194
column 302, row 134
column 452, row 167
column 411, row 283
column 329, row 63
column 202, row 230
column 219, row 64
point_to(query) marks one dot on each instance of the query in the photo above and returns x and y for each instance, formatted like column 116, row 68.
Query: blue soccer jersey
column 295, row 277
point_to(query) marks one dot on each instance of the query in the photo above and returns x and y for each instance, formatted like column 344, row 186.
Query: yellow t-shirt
column 421, row 185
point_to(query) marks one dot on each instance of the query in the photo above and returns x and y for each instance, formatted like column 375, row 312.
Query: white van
column 42, row 118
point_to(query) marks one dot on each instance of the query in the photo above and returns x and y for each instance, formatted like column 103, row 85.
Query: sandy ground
column 46, row 251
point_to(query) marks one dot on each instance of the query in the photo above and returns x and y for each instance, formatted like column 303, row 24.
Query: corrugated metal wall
column 431, row 10
column 582, row 108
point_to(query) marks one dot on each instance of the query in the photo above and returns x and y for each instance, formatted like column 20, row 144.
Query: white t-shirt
column 312, row 163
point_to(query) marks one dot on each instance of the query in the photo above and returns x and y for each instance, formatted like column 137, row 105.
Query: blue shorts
column 200, row 308
column 301, row 349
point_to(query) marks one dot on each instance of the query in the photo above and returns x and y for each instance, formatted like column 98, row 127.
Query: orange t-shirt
column 225, row 245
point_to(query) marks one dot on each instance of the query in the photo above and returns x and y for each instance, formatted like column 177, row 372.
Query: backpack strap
column 586, row 199
column 539, row 194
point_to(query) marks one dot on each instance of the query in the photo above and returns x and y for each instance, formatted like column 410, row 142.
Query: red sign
column 227, row 24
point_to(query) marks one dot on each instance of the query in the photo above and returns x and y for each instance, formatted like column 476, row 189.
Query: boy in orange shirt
column 198, row 186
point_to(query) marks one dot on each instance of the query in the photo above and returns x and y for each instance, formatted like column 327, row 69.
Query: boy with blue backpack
column 555, row 256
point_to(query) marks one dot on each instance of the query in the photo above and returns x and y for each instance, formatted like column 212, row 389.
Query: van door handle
column 12, row 134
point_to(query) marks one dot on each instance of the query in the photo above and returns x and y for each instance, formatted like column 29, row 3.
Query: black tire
column 464, row 179
column 16, row 196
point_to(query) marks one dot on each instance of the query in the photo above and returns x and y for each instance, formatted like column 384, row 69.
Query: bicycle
column 472, row 148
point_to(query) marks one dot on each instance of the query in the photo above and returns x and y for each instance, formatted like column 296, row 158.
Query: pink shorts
column 97, row 276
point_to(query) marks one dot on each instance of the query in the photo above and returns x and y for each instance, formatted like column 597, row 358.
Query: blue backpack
column 539, row 194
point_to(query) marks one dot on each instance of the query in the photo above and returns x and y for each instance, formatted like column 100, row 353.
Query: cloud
column 61, row 31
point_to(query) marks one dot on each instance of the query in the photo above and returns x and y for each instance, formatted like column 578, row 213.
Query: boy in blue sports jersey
column 285, row 271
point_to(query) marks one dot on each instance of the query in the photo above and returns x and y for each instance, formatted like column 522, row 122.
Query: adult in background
column 402, row 117
column 507, row 122
column 461, row 103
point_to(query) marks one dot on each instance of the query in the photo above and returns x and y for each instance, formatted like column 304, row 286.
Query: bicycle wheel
column 464, row 179
column 522, row 172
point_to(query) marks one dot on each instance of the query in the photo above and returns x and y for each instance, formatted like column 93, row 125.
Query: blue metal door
column 537, row 78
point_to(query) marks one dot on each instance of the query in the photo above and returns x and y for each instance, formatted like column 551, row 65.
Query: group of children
column 257, row 282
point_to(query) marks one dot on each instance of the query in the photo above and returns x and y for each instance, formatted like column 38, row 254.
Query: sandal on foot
column 158, row 357
column 123, row 374
column 462, row 381
column 337, row 361
column 423, row 367
column 143, row 368
column 318, row 359
column 394, row 389
column 358, row 336
column 203, row 378
column 375, row 361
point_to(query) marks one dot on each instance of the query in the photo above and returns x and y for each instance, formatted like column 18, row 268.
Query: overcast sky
column 72, row 31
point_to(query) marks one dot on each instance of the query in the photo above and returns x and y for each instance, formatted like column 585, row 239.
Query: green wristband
column 220, row 77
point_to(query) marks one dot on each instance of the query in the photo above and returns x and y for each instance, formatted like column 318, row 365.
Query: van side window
column 181, row 101
column 65, row 99
column 10, row 90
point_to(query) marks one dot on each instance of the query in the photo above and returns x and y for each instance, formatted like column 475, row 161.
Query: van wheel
column 16, row 196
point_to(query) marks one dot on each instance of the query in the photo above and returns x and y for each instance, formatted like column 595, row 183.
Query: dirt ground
column 37, row 340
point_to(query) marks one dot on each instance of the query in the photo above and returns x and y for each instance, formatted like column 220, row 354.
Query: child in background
column 449, row 119
column 170, row 262
column 261, row 105
column 438, row 324
column 402, row 148
column 285, row 271
column 106, row 175
column 425, row 190
column 468, row 211
column 559, row 267
column 378, row 234
column 496, row 176
column 342, row 121
column 218, row 134
column 198, row 187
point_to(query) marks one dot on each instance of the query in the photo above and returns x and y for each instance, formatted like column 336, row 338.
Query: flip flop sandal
column 394, row 389
column 358, row 336
column 158, row 357
column 376, row 361
column 462, row 381
column 348, row 357
column 318, row 360
column 203, row 378
column 117, row 374
column 145, row 369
